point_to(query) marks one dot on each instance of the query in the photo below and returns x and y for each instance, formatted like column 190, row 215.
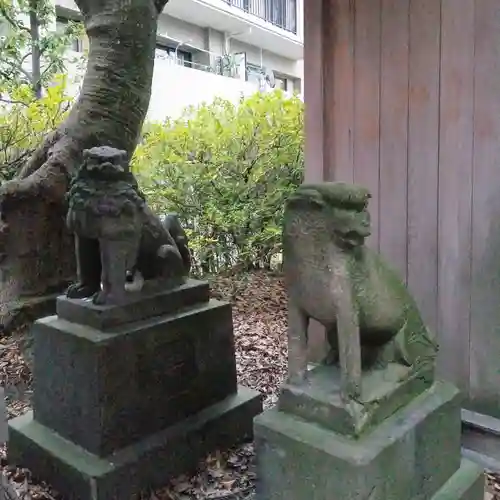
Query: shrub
column 25, row 121
column 226, row 170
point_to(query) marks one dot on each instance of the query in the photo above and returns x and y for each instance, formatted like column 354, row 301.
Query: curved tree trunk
column 36, row 252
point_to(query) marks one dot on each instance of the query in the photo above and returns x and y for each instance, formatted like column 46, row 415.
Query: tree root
column 110, row 109
column 36, row 251
column 40, row 155
column 44, row 176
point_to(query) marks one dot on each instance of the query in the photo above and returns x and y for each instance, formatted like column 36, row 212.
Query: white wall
column 272, row 61
column 180, row 9
column 176, row 87
column 175, row 29
column 217, row 43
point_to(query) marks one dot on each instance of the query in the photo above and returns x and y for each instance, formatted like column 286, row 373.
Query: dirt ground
column 259, row 313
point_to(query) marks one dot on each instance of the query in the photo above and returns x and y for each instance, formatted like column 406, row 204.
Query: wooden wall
column 403, row 96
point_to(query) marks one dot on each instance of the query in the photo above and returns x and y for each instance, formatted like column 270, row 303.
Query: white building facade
column 219, row 48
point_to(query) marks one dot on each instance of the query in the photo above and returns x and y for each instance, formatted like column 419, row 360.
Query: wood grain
column 393, row 210
column 423, row 154
column 367, row 60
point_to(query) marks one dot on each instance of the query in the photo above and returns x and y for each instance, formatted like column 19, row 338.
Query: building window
column 282, row 13
column 165, row 53
column 280, row 83
column 254, row 74
column 77, row 44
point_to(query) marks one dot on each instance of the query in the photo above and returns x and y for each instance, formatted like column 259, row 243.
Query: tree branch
column 28, row 54
column 15, row 24
column 5, row 75
column 46, row 70
column 8, row 101
column 11, row 76
column 25, row 73
column 40, row 155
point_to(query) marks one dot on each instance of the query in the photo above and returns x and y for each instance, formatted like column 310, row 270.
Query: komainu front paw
column 80, row 291
column 101, row 298
column 332, row 358
column 168, row 252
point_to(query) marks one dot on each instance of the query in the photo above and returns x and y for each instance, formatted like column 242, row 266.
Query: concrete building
column 219, row 48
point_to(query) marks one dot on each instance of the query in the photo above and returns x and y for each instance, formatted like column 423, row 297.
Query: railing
column 223, row 66
column 281, row 13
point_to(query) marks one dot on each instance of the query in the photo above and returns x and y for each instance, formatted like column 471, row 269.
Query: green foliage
column 25, row 123
column 31, row 51
column 226, row 170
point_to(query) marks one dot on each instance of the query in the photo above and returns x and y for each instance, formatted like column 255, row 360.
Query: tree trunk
column 36, row 251
column 35, row 50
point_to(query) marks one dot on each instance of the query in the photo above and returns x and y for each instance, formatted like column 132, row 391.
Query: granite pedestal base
column 412, row 455
column 126, row 397
column 148, row 463
column 383, row 391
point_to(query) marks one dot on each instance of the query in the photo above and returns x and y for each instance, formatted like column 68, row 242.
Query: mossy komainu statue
column 370, row 318
column 116, row 234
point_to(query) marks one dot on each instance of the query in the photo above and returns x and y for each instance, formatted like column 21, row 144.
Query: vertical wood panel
column 340, row 99
column 313, row 90
column 423, row 154
column 315, row 69
column 367, row 104
column 437, row 151
column 455, row 189
column 485, row 312
column 394, row 133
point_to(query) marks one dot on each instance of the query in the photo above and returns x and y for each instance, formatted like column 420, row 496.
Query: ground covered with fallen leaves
column 259, row 314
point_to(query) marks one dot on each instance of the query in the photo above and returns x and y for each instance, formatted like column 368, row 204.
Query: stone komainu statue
column 370, row 317
column 116, row 233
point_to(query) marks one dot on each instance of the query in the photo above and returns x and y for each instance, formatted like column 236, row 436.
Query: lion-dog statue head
column 333, row 277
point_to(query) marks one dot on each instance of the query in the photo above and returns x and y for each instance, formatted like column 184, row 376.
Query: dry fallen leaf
column 259, row 318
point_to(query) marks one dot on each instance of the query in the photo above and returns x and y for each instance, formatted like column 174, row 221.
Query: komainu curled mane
column 116, row 234
column 370, row 317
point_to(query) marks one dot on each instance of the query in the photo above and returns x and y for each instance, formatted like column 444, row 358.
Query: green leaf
column 226, row 170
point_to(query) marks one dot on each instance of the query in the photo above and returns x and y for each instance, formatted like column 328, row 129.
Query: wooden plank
column 367, row 104
column 394, row 133
column 339, row 89
column 455, row 190
column 313, row 90
column 485, row 310
column 423, row 154
column 315, row 68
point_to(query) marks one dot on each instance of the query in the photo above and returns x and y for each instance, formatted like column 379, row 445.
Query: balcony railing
column 281, row 13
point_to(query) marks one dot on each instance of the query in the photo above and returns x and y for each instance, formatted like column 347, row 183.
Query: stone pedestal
column 414, row 454
column 127, row 397
column 383, row 392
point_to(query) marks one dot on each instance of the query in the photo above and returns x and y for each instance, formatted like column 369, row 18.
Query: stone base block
column 466, row 484
column 149, row 463
column 409, row 456
column 138, row 306
column 384, row 391
column 107, row 390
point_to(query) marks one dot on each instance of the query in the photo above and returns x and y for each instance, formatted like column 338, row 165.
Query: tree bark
column 36, row 252
column 35, row 50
